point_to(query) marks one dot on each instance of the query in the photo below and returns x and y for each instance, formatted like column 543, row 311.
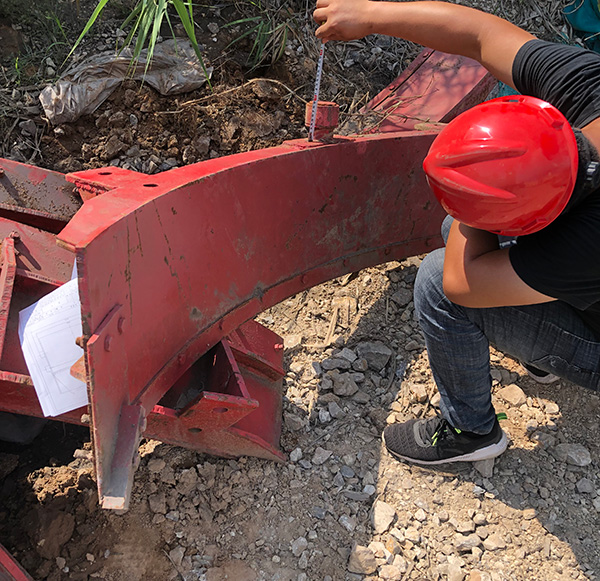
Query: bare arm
column 479, row 274
column 439, row 25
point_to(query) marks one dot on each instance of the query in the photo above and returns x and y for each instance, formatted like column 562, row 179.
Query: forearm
column 439, row 25
column 478, row 274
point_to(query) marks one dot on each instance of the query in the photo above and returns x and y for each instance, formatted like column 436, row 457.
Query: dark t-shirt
column 563, row 259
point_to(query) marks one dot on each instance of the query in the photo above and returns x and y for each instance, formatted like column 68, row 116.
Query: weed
column 144, row 23
column 269, row 31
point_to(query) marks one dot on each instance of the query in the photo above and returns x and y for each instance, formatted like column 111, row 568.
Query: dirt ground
column 341, row 508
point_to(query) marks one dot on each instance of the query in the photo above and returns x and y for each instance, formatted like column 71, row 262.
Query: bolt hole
column 195, row 430
column 104, row 173
column 151, row 185
column 220, row 410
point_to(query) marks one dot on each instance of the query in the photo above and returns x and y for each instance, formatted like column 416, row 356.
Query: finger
column 320, row 16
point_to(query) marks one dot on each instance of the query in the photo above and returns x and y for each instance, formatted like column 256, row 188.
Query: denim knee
column 429, row 289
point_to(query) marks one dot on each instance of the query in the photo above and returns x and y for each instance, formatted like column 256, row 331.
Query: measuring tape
column 313, row 113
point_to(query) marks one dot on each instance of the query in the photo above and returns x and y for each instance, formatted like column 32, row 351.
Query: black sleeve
column 565, row 76
column 563, row 260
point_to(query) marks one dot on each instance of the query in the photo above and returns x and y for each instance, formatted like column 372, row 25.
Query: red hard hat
column 507, row 166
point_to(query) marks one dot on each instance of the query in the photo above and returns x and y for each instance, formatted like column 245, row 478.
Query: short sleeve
column 566, row 76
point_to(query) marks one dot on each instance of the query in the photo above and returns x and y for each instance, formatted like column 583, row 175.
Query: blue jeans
column 550, row 336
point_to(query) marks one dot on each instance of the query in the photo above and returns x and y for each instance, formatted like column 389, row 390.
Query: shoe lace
column 437, row 429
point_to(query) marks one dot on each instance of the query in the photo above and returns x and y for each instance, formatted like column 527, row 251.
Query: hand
column 343, row 19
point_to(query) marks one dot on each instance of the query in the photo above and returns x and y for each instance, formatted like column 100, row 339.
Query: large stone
column 494, row 542
column 513, row 394
column 343, row 384
column 376, row 353
column 382, row 516
column 465, row 543
column 362, row 560
column 402, row 297
column 574, row 454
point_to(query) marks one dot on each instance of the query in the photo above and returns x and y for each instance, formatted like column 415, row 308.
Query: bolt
column 120, row 325
column 180, row 359
column 107, row 343
column 1, row 172
column 278, row 346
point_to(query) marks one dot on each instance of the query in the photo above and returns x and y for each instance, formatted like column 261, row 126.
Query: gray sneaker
column 435, row 441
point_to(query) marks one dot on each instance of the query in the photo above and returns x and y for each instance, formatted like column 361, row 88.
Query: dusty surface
column 341, row 508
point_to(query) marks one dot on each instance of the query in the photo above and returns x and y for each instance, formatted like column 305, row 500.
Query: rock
column 376, row 353
column 335, row 363
column 348, row 354
column 360, row 364
column 443, row 516
column 335, row 411
column 382, row 516
column 418, row 393
column 413, row 535
column 464, row 543
column 176, row 555
column 299, row 546
column 476, row 575
column 585, row 486
column 187, row 481
column 574, row 454
column 362, row 560
column 324, row 416
column 513, row 394
column 293, row 422
column 529, row 513
column 465, row 526
column 485, row 467
column 413, row 345
column 347, row 522
column 295, row 454
column 390, row 573
column 321, row 456
column 158, row 502
column 420, row 515
column 114, row 146
column 361, row 397
column 551, row 407
column 402, row 297
column 343, row 384
column 455, row 572
column 494, row 542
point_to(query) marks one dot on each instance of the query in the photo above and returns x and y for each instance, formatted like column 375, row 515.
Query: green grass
column 144, row 24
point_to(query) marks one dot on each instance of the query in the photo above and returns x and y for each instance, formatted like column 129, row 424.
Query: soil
column 341, row 508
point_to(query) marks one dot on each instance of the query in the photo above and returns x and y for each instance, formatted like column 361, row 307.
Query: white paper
column 47, row 330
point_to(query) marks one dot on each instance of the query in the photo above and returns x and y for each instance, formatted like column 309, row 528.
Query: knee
column 429, row 289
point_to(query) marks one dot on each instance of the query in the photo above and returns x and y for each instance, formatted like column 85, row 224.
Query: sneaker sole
column 491, row 451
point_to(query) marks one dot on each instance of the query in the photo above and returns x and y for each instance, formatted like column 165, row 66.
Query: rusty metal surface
column 171, row 264
column 436, row 87
column 46, row 191
column 41, row 266
column 10, row 570
column 185, row 257
column 7, row 281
